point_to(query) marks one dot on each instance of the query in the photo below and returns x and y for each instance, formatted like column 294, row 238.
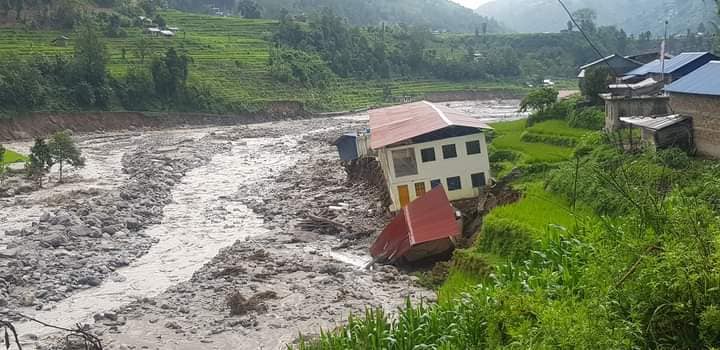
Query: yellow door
column 419, row 189
column 404, row 193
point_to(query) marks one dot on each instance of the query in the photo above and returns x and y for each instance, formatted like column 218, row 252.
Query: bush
column 288, row 66
column 592, row 118
column 548, row 139
column 558, row 110
column 503, row 156
column 710, row 326
column 505, row 237
column 673, row 158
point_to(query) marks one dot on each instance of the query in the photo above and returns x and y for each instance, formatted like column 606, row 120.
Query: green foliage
column 39, row 161
column 505, row 237
column 587, row 118
column 539, row 99
column 299, row 67
column 710, row 325
column 509, row 137
column 556, row 140
column 62, row 149
column 596, row 82
column 170, row 74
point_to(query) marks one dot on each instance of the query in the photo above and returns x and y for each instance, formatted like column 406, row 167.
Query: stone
column 27, row 299
column 9, row 253
column 81, row 231
column 45, row 217
column 54, row 240
column 132, row 224
column 112, row 229
column 91, row 281
column 172, row 325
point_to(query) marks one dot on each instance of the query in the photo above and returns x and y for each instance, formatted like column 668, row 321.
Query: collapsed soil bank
column 41, row 124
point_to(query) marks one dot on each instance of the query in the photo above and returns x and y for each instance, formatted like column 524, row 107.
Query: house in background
column 422, row 145
column 619, row 65
column 664, row 131
column 647, row 57
column 674, row 68
column 697, row 95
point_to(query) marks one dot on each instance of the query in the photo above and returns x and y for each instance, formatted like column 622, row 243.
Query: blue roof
column 703, row 81
column 671, row 65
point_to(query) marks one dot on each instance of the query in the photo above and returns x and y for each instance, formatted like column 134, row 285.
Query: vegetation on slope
column 435, row 14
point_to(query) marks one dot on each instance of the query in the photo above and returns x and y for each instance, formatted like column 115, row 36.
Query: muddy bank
column 300, row 276
column 41, row 124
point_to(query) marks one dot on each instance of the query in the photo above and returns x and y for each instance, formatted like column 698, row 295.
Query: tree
column 595, row 83
column 249, row 9
column 39, row 162
column 170, row 74
column 539, row 99
column 89, row 72
column 701, row 28
column 142, row 48
column 570, row 26
column 585, row 18
column 160, row 21
column 63, row 150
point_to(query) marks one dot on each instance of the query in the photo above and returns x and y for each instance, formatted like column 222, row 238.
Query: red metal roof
column 399, row 123
column 428, row 218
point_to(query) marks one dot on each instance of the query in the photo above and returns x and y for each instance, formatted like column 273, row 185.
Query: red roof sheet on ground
column 399, row 123
column 428, row 218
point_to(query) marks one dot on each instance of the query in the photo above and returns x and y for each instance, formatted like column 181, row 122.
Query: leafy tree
column 160, row 21
column 39, row 162
column 142, row 48
column 539, row 99
column 249, row 9
column 170, row 74
column 585, row 18
column 595, row 83
column 64, row 150
column 89, row 73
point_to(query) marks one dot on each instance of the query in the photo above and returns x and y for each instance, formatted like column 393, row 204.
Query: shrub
column 673, row 158
column 548, row 139
column 505, row 237
column 710, row 325
column 592, row 118
column 503, row 156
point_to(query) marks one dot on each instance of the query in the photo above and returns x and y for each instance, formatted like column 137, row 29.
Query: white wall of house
column 464, row 165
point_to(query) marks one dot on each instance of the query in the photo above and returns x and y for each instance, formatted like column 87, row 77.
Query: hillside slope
column 634, row 16
column 437, row 14
column 230, row 56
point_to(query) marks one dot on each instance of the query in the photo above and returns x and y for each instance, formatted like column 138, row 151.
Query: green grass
column 230, row 56
column 459, row 281
column 558, row 128
column 13, row 157
column 538, row 209
column 508, row 137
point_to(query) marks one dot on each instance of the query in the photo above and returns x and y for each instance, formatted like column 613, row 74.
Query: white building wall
column 463, row 165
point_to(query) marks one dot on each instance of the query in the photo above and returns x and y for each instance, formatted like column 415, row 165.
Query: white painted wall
column 464, row 166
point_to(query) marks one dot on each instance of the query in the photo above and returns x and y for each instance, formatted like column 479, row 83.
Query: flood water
column 200, row 221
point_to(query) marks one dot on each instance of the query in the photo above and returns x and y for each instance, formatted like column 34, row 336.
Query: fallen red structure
column 424, row 228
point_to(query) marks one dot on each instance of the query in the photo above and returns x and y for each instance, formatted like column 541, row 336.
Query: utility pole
column 662, row 55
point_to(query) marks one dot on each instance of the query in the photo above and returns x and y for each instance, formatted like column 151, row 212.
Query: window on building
column 404, row 162
column 435, row 183
column 427, row 154
column 453, row 183
column 419, row 189
column 449, row 151
column 473, row 147
column 478, row 180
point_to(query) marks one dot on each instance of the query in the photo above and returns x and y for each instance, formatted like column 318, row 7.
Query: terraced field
column 230, row 55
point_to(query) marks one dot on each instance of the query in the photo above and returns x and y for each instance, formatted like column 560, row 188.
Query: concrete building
column 422, row 145
column 698, row 95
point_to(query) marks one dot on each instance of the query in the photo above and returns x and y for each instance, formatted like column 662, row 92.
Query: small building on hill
column 698, row 95
column 664, row 131
column 423, row 145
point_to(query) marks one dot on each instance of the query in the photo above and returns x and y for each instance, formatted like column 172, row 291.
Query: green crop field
column 230, row 55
